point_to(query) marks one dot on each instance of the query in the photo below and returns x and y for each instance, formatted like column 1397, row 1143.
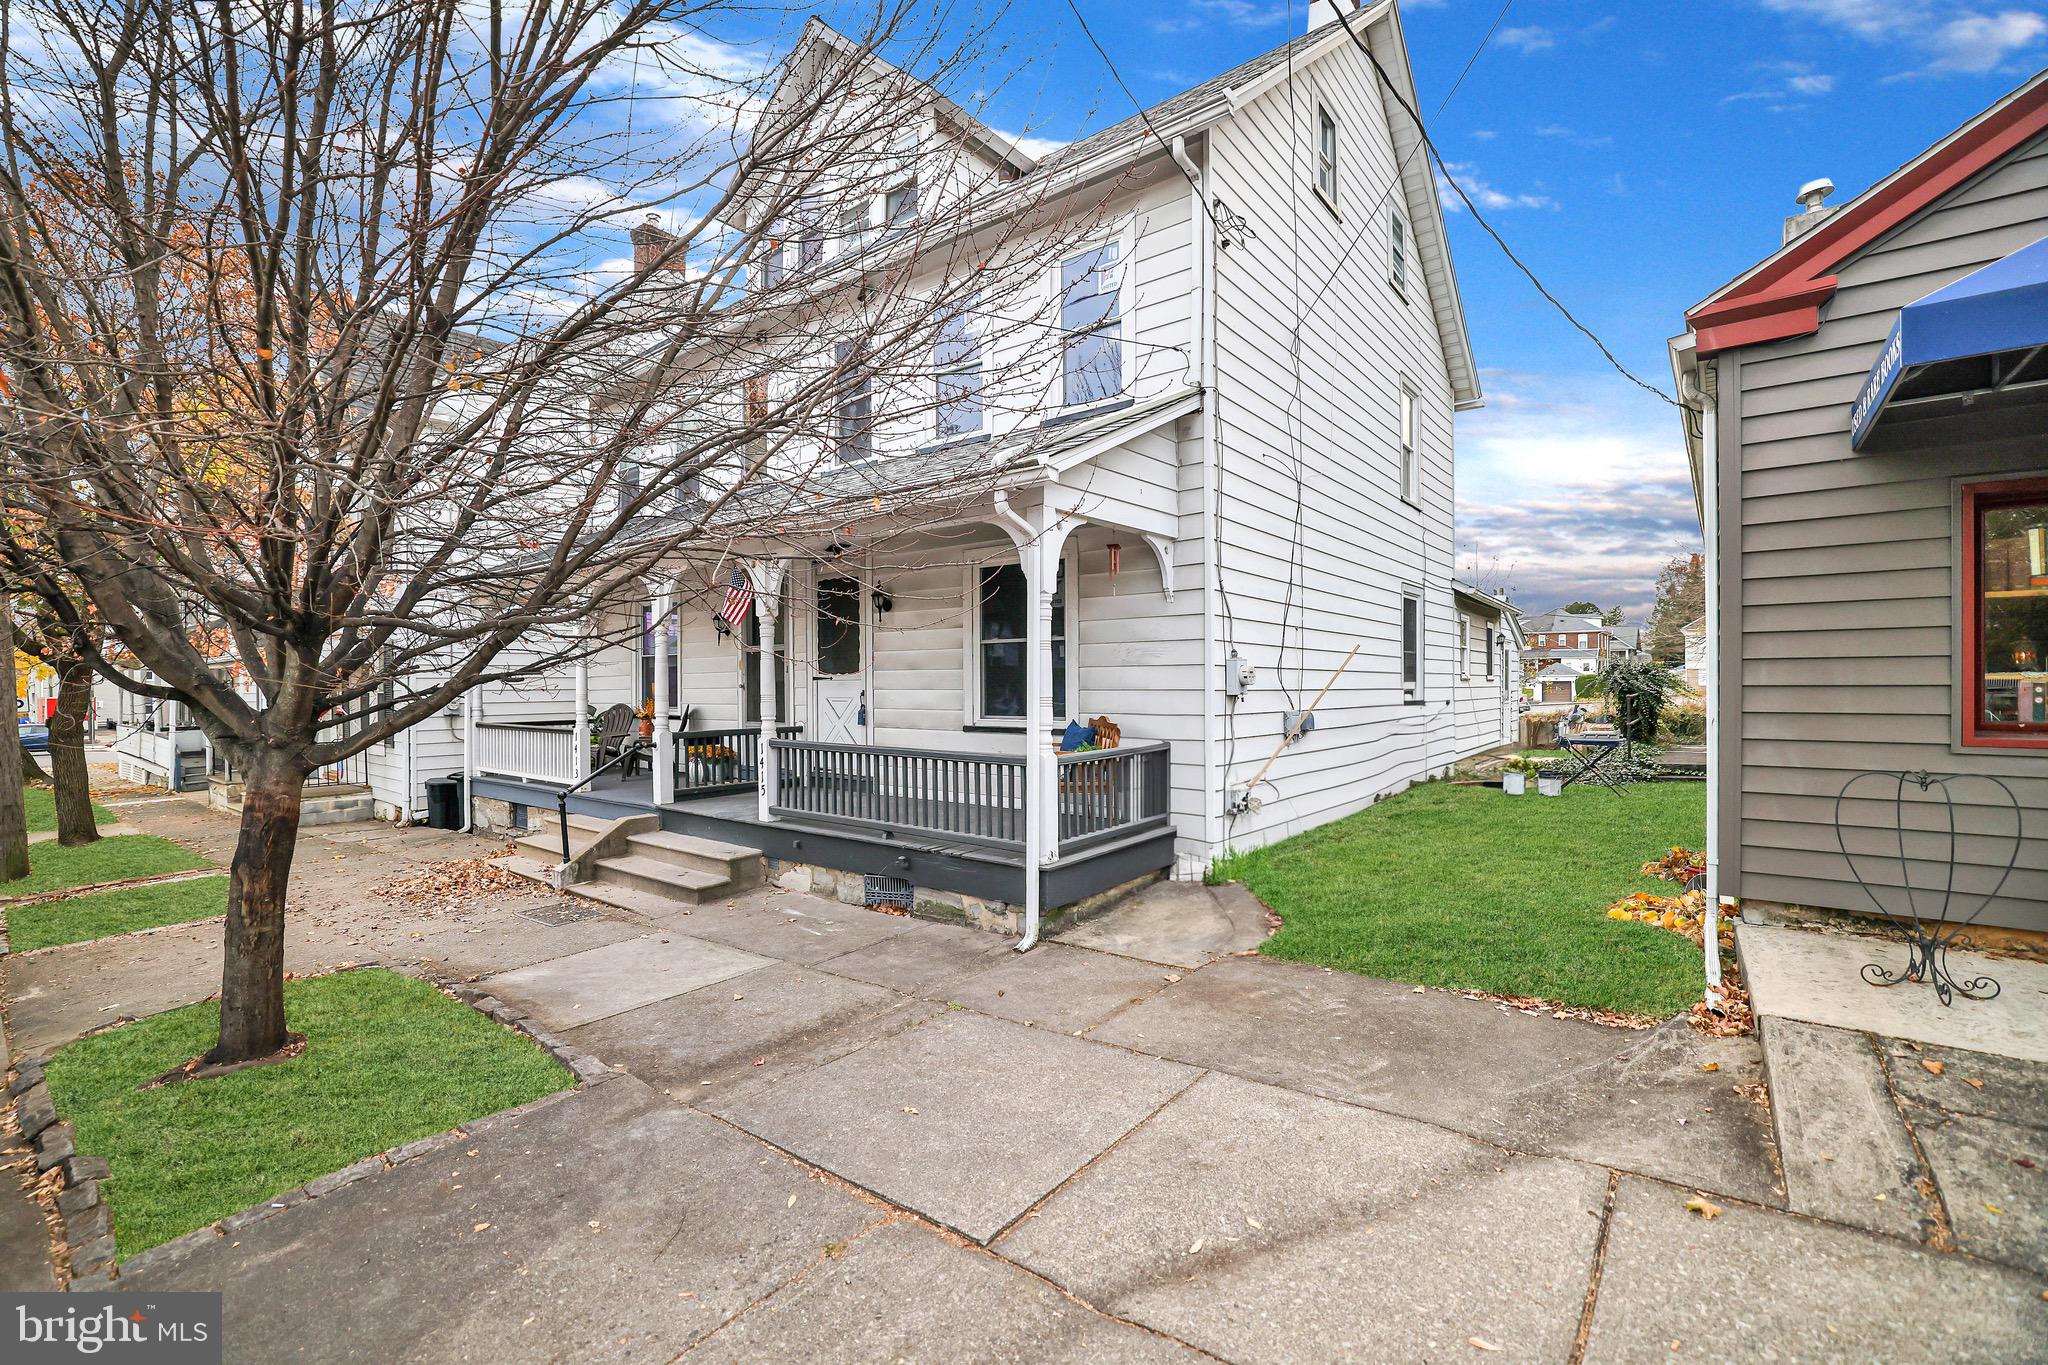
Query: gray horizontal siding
column 1844, row 637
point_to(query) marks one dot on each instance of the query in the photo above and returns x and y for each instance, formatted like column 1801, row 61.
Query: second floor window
column 1326, row 154
column 899, row 207
column 1411, row 464
column 853, row 406
column 1091, row 353
column 956, row 366
column 853, row 227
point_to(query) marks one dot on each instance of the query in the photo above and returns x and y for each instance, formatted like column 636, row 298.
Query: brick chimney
column 649, row 241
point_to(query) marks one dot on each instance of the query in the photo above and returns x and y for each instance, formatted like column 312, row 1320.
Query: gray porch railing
column 1107, row 793
column 711, row 761
column 970, row 798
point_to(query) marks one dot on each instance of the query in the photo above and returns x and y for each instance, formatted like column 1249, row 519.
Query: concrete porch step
column 547, row 845
column 737, row 864
column 686, row 885
column 540, row 870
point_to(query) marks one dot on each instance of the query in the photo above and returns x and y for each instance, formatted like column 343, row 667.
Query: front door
column 839, row 691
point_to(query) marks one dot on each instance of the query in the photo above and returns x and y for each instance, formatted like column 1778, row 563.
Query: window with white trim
column 1411, row 464
column 1091, row 316
column 853, row 406
column 1411, row 645
column 1326, row 155
column 899, row 208
column 1464, row 645
column 956, row 371
column 1492, row 644
column 1397, row 252
column 853, row 225
column 1002, row 611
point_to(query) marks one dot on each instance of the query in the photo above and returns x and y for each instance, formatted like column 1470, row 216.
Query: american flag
column 739, row 600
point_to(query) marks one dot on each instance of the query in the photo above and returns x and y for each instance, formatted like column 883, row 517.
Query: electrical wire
column 1422, row 133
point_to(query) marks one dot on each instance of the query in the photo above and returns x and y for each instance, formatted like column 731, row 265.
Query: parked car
column 35, row 738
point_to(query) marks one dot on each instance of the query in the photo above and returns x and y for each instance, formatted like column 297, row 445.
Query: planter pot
column 647, row 727
column 1546, row 785
column 1514, row 784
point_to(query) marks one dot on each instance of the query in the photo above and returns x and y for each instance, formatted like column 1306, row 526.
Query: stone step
column 685, row 885
column 1846, row 1151
column 740, row 865
column 547, row 845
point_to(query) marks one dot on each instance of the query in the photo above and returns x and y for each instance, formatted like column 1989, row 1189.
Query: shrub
column 1682, row 723
column 1637, row 693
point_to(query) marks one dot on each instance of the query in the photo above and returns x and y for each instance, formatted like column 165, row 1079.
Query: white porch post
column 579, row 752
column 664, row 741
column 766, row 577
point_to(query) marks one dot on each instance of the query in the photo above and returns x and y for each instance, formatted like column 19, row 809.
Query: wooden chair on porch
column 615, row 726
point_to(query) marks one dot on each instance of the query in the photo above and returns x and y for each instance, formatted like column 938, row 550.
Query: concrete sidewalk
column 836, row 1134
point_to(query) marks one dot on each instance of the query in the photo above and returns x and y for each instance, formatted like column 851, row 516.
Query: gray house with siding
column 1864, row 411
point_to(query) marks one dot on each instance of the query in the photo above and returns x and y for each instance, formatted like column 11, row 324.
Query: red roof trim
column 1782, row 298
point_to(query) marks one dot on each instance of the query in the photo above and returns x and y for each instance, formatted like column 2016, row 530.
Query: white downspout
column 1029, row 556
column 1204, row 241
column 1710, row 538
column 468, row 760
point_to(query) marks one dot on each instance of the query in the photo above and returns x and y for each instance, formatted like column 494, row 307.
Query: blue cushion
column 1077, row 734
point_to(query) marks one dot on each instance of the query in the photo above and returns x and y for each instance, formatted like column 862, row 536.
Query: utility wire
column 1344, row 18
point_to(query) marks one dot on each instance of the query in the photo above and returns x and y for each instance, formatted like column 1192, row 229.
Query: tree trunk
column 31, row 771
column 13, row 815
column 252, row 949
column 75, row 824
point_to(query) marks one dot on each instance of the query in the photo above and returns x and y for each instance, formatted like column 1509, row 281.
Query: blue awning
column 1978, row 343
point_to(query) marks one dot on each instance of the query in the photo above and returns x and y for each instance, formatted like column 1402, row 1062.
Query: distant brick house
column 1578, row 641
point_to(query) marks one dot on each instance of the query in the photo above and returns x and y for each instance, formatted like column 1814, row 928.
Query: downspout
column 1033, row 790
column 1710, row 543
column 1204, row 242
column 468, row 760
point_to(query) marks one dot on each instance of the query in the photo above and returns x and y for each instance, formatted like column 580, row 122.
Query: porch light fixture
column 883, row 602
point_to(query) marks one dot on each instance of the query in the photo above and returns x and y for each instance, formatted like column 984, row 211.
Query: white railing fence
column 536, row 752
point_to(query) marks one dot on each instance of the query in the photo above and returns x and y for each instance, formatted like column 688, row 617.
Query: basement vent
column 890, row 893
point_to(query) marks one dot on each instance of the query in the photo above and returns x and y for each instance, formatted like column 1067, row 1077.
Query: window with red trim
column 2005, row 613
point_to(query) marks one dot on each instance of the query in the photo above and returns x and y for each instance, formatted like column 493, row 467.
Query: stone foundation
column 1996, row 938
column 493, row 818
column 951, row 907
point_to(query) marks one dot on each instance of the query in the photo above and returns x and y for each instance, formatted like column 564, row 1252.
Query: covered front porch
column 887, row 705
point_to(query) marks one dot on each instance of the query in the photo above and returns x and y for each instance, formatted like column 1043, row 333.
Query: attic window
column 1326, row 155
column 1397, row 253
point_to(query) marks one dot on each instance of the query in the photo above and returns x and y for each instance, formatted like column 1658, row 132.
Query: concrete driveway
column 839, row 1135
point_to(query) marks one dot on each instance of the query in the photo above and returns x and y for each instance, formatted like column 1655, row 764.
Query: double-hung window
column 1091, row 316
column 1411, row 470
column 774, row 260
column 956, row 371
column 1411, row 646
column 1492, row 644
column 1002, row 607
column 853, row 405
column 1464, row 646
column 853, row 225
column 2005, row 614
column 810, row 245
column 1397, row 252
column 899, row 208
column 1326, row 155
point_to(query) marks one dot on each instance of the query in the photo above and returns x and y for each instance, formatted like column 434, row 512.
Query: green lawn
column 42, row 810
column 123, row 910
column 118, row 858
column 1470, row 889
column 388, row 1059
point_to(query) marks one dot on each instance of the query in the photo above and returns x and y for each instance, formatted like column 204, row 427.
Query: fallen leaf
column 1419, row 990
column 1196, row 1247
column 1703, row 1206
column 479, row 1227
column 1973, row 1083
column 1710, row 1066
column 1934, row 1068
column 760, row 1061
column 1482, row 1343
column 1995, row 1209
column 792, row 1202
column 594, row 1223
column 2025, row 1161
column 908, row 1109
column 1253, row 1221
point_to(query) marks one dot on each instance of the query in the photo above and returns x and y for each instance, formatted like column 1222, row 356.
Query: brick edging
column 83, row 1211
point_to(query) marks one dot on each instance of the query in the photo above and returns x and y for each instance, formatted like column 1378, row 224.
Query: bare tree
column 322, row 343
column 13, row 816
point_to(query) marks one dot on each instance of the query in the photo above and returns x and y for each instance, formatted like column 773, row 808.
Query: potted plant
column 646, row 714
column 1549, row 780
column 1514, row 778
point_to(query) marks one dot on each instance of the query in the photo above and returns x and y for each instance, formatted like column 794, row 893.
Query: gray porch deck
column 921, row 858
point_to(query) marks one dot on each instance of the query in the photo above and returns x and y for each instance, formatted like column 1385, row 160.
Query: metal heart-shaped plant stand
column 1928, row 938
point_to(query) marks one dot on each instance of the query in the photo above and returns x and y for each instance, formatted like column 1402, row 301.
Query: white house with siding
column 1234, row 509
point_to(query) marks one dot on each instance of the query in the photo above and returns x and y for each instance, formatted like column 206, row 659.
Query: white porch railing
column 541, row 751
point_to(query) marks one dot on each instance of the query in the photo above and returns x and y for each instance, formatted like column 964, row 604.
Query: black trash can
column 444, row 802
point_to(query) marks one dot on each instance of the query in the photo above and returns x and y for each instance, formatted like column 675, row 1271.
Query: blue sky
column 1637, row 157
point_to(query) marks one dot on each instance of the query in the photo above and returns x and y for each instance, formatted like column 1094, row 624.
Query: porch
column 908, row 820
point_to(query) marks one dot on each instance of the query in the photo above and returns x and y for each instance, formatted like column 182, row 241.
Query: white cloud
column 1531, row 38
column 1485, row 195
column 1950, row 36
column 1783, row 86
column 1585, row 496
